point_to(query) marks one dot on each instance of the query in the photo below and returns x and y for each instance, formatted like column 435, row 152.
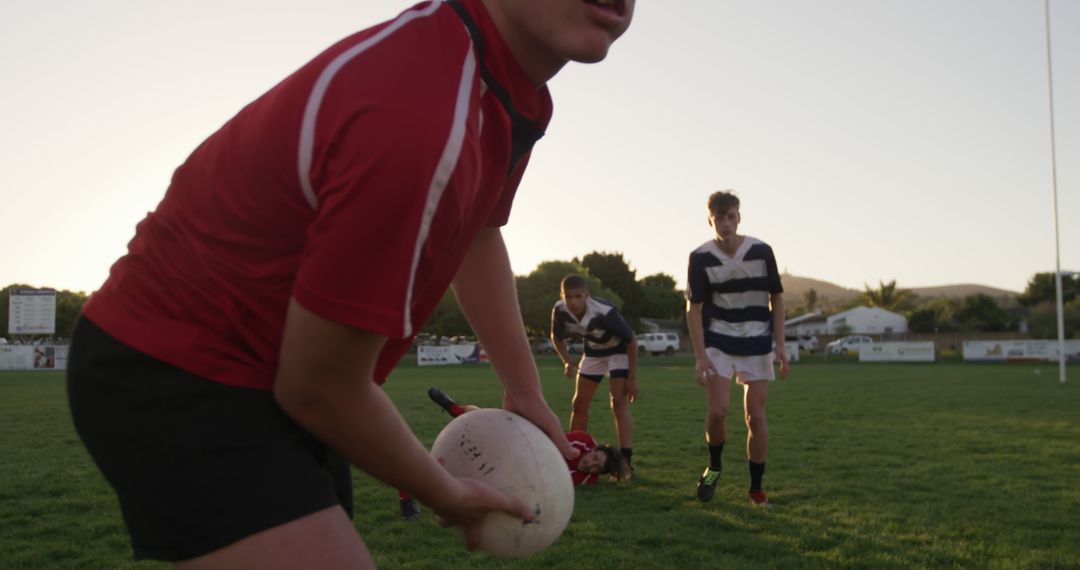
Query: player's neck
column 729, row 246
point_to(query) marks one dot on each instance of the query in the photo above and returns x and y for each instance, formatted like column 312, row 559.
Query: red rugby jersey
column 355, row 185
column 584, row 443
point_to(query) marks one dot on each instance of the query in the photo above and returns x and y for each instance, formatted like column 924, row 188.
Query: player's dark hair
column 573, row 281
column 612, row 460
column 722, row 201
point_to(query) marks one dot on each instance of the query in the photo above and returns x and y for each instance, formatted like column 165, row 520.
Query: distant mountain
column 827, row 293
column 830, row 295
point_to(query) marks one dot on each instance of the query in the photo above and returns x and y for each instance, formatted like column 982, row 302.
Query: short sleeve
column 558, row 326
column 618, row 325
column 697, row 280
column 775, row 286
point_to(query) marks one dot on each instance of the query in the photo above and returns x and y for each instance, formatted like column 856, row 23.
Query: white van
column 658, row 343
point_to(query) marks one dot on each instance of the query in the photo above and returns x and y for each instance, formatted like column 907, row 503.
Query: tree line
column 1036, row 306
column 610, row 276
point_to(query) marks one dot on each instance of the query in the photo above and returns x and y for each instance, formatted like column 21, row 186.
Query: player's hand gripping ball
column 511, row 454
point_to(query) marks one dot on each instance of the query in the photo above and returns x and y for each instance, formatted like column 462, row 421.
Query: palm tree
column 888, row 297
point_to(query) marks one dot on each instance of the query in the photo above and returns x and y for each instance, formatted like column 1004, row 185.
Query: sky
column 869, row 140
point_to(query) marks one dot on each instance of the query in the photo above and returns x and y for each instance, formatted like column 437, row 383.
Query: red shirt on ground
column 584, row 443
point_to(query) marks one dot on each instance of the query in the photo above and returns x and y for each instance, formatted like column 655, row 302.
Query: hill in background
column 830, row 295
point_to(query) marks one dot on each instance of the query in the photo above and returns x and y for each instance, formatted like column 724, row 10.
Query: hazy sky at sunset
column 869, row 140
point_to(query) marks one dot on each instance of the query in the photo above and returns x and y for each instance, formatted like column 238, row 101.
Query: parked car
column 544, row 346
column 658, row 343
column 575, row 347
column 807, row 343
column 847, row 344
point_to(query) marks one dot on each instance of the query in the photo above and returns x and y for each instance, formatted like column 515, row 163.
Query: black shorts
column 197, row 465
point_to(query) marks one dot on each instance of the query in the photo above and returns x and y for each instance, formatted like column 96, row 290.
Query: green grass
column 870, row 466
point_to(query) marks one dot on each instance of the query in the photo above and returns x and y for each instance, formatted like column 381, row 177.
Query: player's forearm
column 561, row 350
column 363, row 426
column 779, row 334
column 324, row 383
column 697, row 333
column 631, row 355
column 485, row 291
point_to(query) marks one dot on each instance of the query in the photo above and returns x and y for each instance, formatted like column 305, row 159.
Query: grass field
column 870, row 466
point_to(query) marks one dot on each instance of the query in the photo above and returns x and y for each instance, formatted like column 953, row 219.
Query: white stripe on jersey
column 743, row 330
column 311, row 110
column 445, row 168
column 736, row 269
column 741, row 300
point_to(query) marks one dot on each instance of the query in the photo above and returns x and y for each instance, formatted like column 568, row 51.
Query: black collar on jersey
column 523, row 132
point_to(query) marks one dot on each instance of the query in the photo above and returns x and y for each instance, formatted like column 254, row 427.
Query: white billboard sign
column 1019, row 350
column 33, row 357
column 922, row 351
column 453, row 354
column 32, row 311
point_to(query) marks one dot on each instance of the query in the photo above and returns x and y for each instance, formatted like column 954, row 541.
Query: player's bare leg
column 584, row 389
column 757, row 438
column 624, row 425
column 620, row 408
column 324, row 539
column 717, row 399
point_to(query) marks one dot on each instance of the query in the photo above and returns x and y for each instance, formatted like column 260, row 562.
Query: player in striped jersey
column 610, row 350
column 735, row 313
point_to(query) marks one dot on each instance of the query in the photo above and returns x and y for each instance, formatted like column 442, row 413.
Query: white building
column 809, row 324
column 867, row 320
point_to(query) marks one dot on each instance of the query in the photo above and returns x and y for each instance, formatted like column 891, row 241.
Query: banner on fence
column 453, row 354
column 33, row 357
column 922, row 351
column 1019, row 350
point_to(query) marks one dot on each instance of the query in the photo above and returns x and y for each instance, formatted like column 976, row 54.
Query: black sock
column 757, row 470
column 627, row 452
column 716, row 452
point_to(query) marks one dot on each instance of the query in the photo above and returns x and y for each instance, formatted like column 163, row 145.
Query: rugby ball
column 508, row 452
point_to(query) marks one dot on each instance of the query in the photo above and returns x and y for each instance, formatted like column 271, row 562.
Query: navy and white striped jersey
column 603, row 328
column 734, row 295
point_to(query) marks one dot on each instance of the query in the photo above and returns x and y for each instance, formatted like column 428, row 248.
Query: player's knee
column 755, row 420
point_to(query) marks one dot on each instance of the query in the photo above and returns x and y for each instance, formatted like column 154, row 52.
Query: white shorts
column 742, row 369
column 603, row 365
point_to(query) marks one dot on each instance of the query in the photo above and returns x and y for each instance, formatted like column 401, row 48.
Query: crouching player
column 610, row 349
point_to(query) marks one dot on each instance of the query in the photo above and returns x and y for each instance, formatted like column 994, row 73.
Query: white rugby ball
column 508, row 452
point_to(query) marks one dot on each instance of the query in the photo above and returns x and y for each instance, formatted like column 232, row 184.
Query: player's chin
column 591, row 49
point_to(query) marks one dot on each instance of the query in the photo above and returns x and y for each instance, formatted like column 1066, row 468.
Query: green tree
column 660, row 299
column 938, row 315
column 1042, row 322
column 1041, row 288
column 538, row 291
column 447, row 320
column 982, row 313
column 810, row 299
column 616, row 274
column 887, row 296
